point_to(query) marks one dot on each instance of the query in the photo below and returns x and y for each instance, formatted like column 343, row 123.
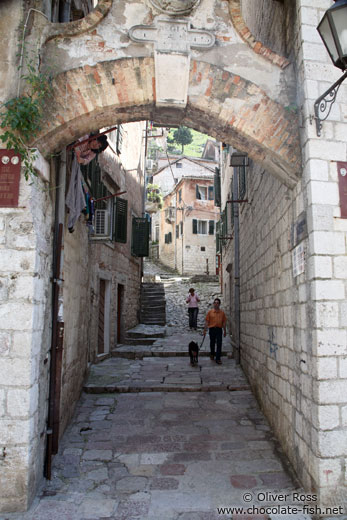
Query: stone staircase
column 153, row 305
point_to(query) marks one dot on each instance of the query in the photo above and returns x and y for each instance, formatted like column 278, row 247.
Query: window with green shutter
column 211, row 227
column 210, row 193
column 120, row 220
column 195, row 226
column 140, row 237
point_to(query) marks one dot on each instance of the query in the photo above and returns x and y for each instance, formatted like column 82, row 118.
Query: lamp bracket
column 324, row 103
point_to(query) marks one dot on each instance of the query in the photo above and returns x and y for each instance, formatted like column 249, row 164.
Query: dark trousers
column 193, row 317
column 216, row 335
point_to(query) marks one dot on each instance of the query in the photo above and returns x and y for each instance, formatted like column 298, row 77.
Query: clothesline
column 95, row 136
column 110, row 196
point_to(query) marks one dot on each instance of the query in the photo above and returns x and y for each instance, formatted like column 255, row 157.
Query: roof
column 195, row 161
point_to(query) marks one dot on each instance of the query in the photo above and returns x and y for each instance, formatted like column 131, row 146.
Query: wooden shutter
column 140, row 237
column 210, row 193
column 120, row 220
column 211, row 227
column 217, row 188
column 218, row 226
column 197, row 191
column 195, row 226
column 169, row 237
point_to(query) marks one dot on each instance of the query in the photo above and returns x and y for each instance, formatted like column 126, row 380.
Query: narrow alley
column 153, row 438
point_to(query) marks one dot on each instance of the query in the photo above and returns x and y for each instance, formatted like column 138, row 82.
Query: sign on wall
column 9, row 178
column 342, row 175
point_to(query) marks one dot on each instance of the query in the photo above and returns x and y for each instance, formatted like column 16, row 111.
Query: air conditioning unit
column 149, row 164
column 102, row 223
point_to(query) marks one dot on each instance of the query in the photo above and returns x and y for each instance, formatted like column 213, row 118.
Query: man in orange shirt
column 216, row 324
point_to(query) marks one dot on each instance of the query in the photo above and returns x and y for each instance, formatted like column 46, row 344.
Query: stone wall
column 327, row 260
column 25, row 334
column 275, row 336
column 293, row 331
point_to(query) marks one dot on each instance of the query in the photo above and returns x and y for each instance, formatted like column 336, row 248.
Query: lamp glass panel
column 339, row 17
column 326, row 35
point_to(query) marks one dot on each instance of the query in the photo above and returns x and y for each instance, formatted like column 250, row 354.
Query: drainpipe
column 236, row 266
column 57, row 320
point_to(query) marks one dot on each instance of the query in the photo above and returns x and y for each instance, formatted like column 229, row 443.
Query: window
column 202, row 248
column 203, row 227
column 177, row 231
column 180, row 196
column 210, row 193
column 201, row 192
column 168, row 238
column 179, row 165
column 181, row 224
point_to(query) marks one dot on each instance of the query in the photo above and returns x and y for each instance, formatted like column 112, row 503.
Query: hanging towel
column 75, row 198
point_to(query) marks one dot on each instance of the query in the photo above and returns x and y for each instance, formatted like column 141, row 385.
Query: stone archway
column 219, row 103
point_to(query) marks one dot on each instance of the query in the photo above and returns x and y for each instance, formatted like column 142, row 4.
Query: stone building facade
column 187, row 227
column 250, row 83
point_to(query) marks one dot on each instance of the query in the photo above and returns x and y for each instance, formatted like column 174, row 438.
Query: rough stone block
column 343, row 368
column 14, row 432
column 331, row 342
column 16, row 316
column 323, row 193
column 340, row 267
column 327, row 314
column 332, row 443
column 332, row 392
column 328, row 290
column 15, row 371
column 326, row 368
column 344, row 416
column 22, row 403
column 329, row 150
column 308, row 15
column 12, row 261
column 5, row 343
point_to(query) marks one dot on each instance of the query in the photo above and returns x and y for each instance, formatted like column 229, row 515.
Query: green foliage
column 194, row 149
column 22, row 116
column 154, row 194
column 183, row 136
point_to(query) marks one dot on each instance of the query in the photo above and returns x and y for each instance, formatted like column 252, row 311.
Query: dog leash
column 203, row 339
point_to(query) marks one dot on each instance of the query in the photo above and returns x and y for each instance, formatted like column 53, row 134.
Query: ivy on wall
column 22, row 116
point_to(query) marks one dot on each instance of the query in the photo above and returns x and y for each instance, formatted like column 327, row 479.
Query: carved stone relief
column 175, row 7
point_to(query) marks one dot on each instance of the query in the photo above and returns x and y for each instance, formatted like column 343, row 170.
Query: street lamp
column 333, row 31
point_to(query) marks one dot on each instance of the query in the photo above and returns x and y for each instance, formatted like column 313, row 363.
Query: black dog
column 193, row 353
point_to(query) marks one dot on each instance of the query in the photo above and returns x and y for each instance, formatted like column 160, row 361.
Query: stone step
column 141, row 351
column 150, row 387
column 133, row 334
column 139, row 341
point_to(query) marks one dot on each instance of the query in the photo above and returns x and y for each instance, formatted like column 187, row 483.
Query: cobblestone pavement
column 133, row 452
